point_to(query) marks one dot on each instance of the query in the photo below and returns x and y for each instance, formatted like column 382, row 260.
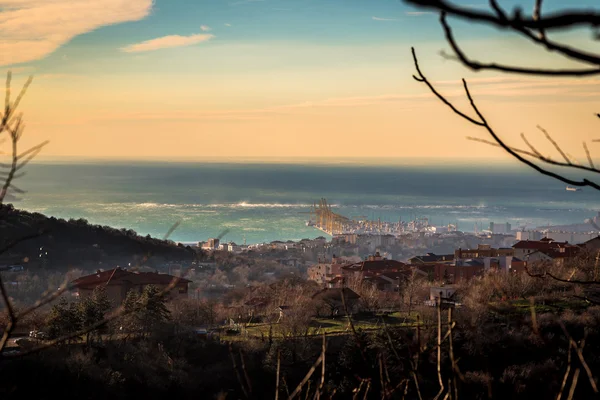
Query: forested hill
column 57, row 243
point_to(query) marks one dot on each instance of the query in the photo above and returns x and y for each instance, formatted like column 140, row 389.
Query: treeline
column 61, row 244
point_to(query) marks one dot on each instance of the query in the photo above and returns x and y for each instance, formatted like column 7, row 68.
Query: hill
column 62, row 244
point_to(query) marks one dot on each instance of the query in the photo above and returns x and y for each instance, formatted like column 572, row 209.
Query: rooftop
column 117, row 276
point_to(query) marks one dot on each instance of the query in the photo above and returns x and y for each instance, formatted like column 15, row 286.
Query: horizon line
column 316, row 160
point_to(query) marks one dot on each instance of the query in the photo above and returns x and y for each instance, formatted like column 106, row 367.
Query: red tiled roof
column 375, row 266
column 101, row 277
column 117, row 276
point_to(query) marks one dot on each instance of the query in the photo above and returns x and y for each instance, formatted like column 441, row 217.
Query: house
column 374, row 265
column 592, row 245
column 463, row 270
column 526, row 247
column 482, row 250
column 323, row 272
column 118, row 282
column 431, row 258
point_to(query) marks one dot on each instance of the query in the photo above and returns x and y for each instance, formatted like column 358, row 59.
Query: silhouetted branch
column 589, row 157
column 550, row 22
column 482, row 122
column 477, row 66
column 13, row 124
column 527, row 27
column 556, row 278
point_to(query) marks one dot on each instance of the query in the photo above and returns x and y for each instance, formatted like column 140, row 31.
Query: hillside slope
column 61, row 244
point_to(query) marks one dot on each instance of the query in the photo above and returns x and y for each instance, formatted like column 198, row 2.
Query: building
column 525, row 248
column 482, row 250
column 375, row 265
column 211, row 244
column 529, row 235
column 118, row 282
column 571, row 237
column 500, row 228
column 592, row 245
column 431, row 258
column 465, row 270
column 323, row 272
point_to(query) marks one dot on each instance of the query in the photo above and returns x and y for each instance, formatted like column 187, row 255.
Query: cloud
column 383, row 19
column 205, row 28
column 167, row 42
column 417, row 13
column 32, row 29
column 226, row 24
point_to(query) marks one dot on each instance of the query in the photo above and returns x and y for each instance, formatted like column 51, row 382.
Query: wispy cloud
column 494, row 88
column 227, row 24
column 383, row 19
column 205, row 28
column 417, row 13
column 167, row 42
column 32, row 29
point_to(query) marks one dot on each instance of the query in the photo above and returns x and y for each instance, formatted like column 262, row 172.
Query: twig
column 556, row 146
column 477, row 66
column 573, row 384
column 306, row 378
column 439, row 349
column 237, row 373
column 245, row 372
column 566, row 376
column 278, row 369
column 589, row 157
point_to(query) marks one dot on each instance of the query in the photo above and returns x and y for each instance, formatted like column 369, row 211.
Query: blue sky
column 262, row 76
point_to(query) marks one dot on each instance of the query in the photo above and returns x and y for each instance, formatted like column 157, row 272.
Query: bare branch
column 483, row 123
column 556, row 146
column 537, row 15
column 550, row 22
column 533, row 149
column 589, row 157
column 423, row 79
column 477, row 66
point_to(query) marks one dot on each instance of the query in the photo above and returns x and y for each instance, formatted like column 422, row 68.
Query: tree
column 92, row 310
column 64, row 319
column 146, row 311
column 415, row 287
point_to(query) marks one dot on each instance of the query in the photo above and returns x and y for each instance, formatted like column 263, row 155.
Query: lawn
column 329, row 326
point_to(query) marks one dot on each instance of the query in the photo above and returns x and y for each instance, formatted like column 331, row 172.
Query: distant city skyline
column 185, row 80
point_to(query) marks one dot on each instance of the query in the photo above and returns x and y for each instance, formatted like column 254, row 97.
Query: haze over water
column 265, row 202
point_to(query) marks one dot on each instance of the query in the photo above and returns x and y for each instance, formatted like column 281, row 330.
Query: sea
column 257, row 202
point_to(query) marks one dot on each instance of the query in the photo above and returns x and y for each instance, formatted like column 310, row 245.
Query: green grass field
column 330, row 326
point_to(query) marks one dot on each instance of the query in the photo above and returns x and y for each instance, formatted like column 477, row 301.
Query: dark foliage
column 77, row 243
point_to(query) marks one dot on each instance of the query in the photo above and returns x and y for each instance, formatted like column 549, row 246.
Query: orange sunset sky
column 193, row 80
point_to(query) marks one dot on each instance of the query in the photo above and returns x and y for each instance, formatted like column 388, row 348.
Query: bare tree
column 12, row 125
column 535, row 29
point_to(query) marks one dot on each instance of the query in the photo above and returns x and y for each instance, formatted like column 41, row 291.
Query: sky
column 262, row 79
